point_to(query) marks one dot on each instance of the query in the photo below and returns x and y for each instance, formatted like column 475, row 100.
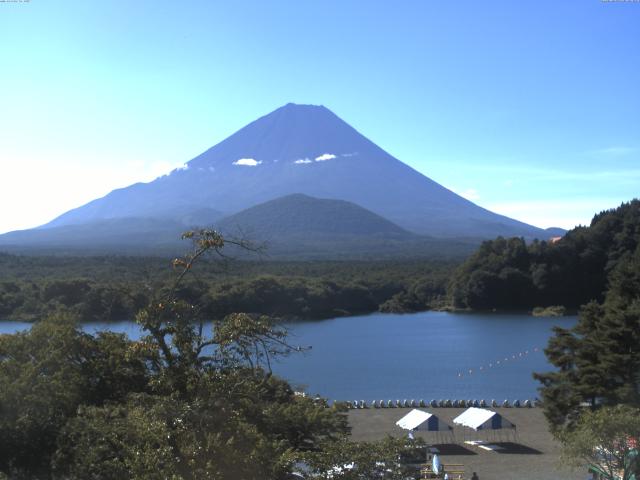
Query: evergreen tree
column 598, row 360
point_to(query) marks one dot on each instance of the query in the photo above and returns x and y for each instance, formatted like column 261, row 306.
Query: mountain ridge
column 299, row 149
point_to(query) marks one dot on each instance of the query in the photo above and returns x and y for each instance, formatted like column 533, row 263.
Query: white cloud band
column 324, row 157
column 247, row 162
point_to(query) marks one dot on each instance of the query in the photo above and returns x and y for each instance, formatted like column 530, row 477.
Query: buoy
column 527, row 403
column 516, row 403
column 483, row 403
column 505, row 403
column 433, row 403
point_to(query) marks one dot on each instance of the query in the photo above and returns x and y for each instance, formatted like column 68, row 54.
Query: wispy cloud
column 303, row 160
column 325, row 156
column 247, row 162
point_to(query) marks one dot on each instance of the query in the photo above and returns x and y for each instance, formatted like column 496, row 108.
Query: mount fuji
column 296, row 149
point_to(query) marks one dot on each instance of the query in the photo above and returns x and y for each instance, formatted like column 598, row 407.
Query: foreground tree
column 45, row 375
column 193, row 398
column 598, row 360
column 346, row 460
column 607, row 440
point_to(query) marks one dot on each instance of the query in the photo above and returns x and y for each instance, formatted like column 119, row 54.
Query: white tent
column 482, row 419
column 422, row 421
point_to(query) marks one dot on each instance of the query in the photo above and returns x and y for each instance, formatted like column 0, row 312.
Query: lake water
column 428, row 355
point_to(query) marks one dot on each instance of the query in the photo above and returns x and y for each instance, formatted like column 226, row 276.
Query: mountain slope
column 303, row 216
column 129, row 235
column 303, row 149
column 298, row 226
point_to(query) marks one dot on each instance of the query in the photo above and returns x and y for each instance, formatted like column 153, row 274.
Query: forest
column 511, row 274
column 502, row 274
column 110, row 288
column 195, row 397
column 191, row 399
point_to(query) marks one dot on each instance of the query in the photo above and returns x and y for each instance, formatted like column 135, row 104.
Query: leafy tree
column 45, row 375
column 347, row 460
column 606, row 439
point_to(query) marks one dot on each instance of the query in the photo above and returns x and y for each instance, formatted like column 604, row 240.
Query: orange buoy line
column 497, row 363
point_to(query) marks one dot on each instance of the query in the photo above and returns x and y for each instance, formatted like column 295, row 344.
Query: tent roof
column 480, row 418
column 413, row 419
column 421, row 420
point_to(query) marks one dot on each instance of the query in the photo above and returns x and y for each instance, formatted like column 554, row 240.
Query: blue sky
column 529, row 108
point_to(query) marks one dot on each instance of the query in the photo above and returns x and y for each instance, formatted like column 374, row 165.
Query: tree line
column 511, row 274
column 115, row 288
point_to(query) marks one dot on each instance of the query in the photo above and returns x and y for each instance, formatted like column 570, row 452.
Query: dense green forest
column 192, row 399
column 592, row 398
column 511, row 274
column 115, row 287
column 501, row 274
column 598, row 360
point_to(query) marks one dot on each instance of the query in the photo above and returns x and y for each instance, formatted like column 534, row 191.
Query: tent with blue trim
column 418, row 420
column 482, row 419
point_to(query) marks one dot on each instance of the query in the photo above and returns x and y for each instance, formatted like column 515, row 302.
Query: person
column 446, row 476
column 474, row 476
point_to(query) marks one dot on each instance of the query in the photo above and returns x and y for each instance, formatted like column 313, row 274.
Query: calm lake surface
column 426, row 355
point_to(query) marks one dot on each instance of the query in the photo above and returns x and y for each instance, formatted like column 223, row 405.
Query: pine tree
column 598, row 360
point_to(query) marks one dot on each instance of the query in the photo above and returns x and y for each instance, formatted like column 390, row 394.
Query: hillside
column 508, row 273
column 302, row 215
